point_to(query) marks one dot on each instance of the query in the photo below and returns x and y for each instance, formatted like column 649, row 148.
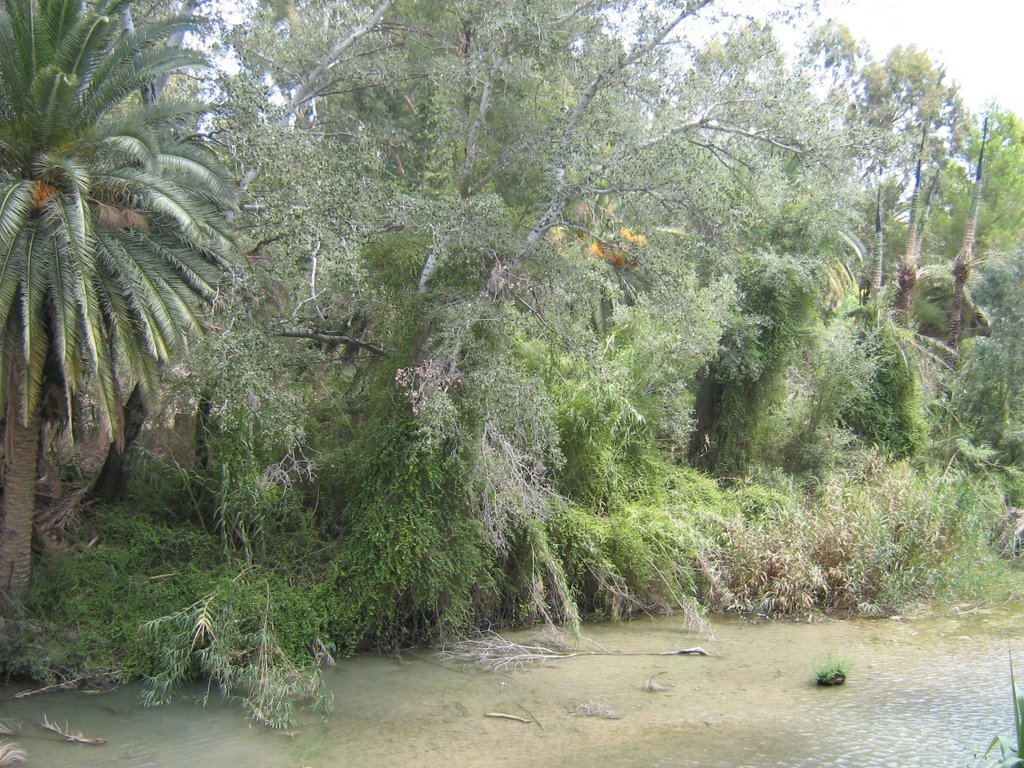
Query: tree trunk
column 961, row 271
column 202, row 435
column 907, row 281
column 965, row 258
column 113, row 478
column 878, row 251
column 908, row 266
column 19, row 499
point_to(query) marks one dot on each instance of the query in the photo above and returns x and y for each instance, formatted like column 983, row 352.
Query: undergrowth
column 866, row 541
column 155, row 594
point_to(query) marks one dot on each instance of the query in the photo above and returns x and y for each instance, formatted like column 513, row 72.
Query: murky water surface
column 927, row 691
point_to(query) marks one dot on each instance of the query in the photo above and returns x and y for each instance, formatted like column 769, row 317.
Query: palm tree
column 965, row 257
column 111, row 226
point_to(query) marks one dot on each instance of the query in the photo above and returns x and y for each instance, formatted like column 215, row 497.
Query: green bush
column 891, row 414
column 641, row 556
column 87, row 603
column 411, row 562
column 744, row 384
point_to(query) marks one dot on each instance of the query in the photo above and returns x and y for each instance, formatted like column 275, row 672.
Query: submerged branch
column 66, row 733
column 493, row 653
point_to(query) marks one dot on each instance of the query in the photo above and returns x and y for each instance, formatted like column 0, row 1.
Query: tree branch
column 310, row 85
column 560, row 196
column 474, row 131
column 331, row 339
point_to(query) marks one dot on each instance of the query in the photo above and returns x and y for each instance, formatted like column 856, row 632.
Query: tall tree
column 877, row 249
column 111, row 229
column 965, row 257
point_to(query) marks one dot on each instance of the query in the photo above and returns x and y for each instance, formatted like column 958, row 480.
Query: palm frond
column 15, row 207
column 132, row 62
column 34, row 337
column 131, row 142
column 11, row 272
column 111, row 230
column 190, row 164
column 65, row 322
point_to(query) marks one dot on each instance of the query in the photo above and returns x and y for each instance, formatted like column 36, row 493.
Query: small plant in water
column 1012, row 749
column 832, row 671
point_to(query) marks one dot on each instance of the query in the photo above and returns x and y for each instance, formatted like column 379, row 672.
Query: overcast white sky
column 981, row 42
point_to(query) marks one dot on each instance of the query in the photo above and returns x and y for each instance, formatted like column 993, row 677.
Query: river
column 926, row 690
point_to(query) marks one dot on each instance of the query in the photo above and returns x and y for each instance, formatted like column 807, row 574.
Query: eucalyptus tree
column 489, row 143
column 111, row 227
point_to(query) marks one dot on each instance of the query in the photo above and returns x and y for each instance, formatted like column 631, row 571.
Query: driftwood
column 66, row 734
column 494, row 653
column 503, row 716
column 695, row 651
column 67, row 685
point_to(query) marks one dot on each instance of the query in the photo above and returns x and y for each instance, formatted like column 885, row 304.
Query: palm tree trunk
column 19, row 499
column 113, row 478
column 908, row 265
column 878, row 250
column 965, row 258
column 961, row 272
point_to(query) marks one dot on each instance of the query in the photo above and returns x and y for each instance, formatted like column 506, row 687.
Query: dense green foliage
column 536, row 322
column 890, row 415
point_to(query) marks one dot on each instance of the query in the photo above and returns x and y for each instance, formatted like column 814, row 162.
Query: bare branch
column 311, row 84
column 331, row 339
column 474, row 131
column 635, row 55
column 498, row 165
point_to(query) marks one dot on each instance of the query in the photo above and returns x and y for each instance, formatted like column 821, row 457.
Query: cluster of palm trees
column 112, row 227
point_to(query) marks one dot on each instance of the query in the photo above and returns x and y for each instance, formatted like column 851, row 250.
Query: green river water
column 928, row 690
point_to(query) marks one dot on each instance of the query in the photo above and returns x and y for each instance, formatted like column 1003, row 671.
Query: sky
column 981, row 42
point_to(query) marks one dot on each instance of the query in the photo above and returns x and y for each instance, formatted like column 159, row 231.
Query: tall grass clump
column 865, row 541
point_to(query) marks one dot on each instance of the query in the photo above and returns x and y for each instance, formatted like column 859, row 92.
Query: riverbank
column 141, row 595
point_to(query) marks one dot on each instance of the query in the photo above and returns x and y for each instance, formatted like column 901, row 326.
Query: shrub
column 866, row 542
column 891, row 414
column 411, row 563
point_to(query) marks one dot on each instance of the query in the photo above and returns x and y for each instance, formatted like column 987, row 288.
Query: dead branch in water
column 652, row 686
column 67, row 685
column 503, row 716
column 66, row 734
column 493, row 653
